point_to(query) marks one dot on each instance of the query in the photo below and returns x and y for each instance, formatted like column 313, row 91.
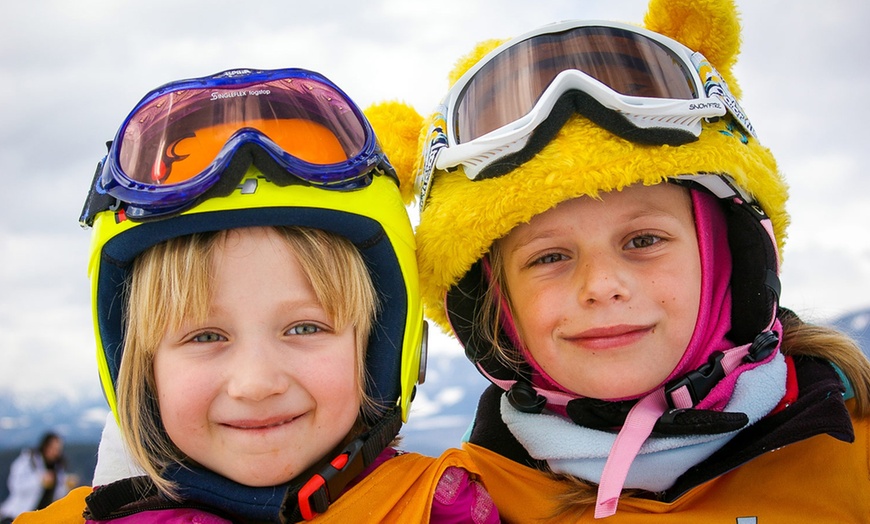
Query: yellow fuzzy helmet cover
column 462, row 218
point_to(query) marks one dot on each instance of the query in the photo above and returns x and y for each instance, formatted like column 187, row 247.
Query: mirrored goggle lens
column 176, row 136
column 508, row 86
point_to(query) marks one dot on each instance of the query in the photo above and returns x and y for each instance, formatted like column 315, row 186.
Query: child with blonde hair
column 257, row 314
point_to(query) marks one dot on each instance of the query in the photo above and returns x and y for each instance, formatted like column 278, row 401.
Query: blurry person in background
column 36, row 478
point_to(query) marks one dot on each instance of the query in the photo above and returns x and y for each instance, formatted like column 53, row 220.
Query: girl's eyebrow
column 293, row 303
column 651, row 213
column 526, row 238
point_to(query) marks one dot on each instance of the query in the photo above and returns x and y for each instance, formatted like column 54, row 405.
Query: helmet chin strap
column 683, row 393
column 301, row 499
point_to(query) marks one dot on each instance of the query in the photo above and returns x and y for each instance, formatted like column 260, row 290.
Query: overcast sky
column 71, row 71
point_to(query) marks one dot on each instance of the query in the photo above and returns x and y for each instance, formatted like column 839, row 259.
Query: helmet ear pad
column 755, row 285
column 383, row 355
column 464, row 303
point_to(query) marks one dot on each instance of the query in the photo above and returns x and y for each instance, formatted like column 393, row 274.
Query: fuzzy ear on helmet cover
column 462, row 218
column 397, row 127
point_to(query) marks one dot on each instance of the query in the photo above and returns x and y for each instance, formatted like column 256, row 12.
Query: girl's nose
column 601, row 280
column 256, row 372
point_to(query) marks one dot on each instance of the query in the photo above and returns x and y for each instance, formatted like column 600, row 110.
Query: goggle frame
column 442, row 150
column 113, row 189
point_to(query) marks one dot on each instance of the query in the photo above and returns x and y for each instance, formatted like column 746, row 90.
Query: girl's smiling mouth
column 261, row 424
column 611, row 336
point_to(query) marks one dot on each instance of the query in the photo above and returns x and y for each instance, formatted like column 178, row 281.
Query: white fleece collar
column 582, row 452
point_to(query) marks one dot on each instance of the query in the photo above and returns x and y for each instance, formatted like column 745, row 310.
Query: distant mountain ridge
column 857, row 326
column 23, row 422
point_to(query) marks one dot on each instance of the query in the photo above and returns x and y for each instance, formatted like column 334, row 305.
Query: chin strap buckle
column 763, row 345
column 687, row 391
column 329, row 482
column 523, row 397
column 326, row 485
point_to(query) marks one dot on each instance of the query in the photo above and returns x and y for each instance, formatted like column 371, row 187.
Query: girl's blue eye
column 304, row 329
column 208, row 337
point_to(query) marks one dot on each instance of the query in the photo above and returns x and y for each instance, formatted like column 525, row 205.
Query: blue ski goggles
column 637, row 84
column 194, row 139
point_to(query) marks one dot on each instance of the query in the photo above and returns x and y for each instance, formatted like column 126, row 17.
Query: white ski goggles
column 638, row 84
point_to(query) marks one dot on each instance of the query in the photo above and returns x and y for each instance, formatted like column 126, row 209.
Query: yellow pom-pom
column 397, row 126
column 711, row 27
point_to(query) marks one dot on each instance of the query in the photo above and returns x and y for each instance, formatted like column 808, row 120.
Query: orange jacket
column 797, row 466
column 399, row 490
column 816, row 480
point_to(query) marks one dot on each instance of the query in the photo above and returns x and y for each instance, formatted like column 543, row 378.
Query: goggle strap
column 575, row 101
column 96, row 201
column 251, row 153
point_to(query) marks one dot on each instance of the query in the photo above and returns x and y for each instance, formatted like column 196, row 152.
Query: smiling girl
column 630, row 260
column 258, row 379
column 257, row 315
column 601, row 228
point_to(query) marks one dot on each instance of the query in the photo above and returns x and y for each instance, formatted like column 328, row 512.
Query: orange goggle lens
column 183, row 158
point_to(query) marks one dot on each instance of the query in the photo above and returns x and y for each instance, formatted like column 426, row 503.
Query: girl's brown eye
column 642, row 241
column 548, row 258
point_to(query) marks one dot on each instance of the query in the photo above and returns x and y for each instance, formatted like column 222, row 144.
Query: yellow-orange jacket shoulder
column 67, row 510
column 399, row 490
column 820, row 479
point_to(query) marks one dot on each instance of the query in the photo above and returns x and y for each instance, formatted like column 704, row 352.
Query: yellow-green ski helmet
column 283, row 148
